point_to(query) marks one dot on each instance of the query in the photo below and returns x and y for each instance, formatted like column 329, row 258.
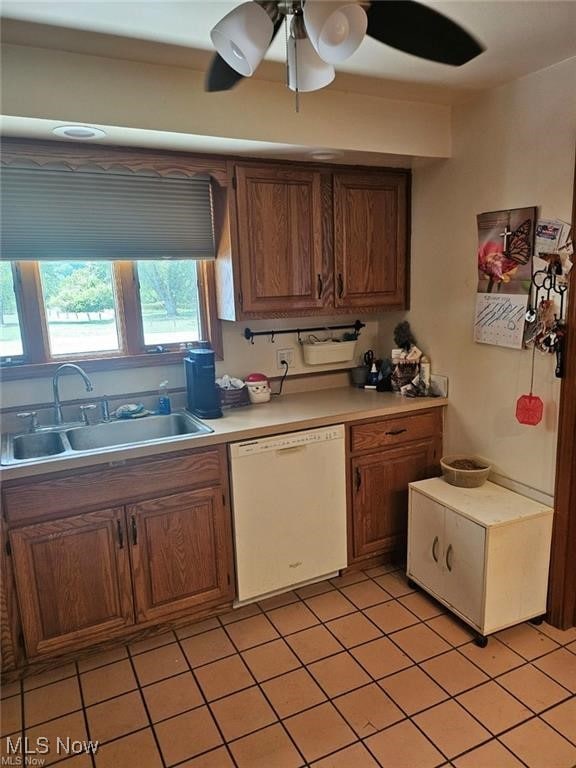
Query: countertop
column 286, row 413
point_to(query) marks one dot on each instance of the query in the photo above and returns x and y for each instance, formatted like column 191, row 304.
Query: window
column 94, row 311
column 107, row 255
column 10, row 333
column 169, row 302
column 80, row 307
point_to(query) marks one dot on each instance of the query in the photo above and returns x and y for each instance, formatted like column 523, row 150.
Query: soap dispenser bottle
column 164, row 407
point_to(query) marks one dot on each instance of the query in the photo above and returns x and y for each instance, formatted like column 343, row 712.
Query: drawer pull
column 134, row 530
column 120, row 534
column 434, row 550
column 397, row 431
column 448, row 558
column 358, row 479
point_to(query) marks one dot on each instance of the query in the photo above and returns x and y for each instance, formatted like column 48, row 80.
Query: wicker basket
column 234, row 398
column 465, row 478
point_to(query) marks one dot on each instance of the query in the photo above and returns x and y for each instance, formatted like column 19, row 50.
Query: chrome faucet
column 57, row 405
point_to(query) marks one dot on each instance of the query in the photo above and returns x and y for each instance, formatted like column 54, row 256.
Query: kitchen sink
column 141, row 430
column 37, row 445
column 67, row 440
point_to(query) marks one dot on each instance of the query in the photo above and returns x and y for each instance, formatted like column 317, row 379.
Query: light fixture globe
column 306, row 70
column 242, row 37
column 335, row 29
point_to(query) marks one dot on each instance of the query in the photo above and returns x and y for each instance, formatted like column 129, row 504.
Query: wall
column 60, row 85
column 512, row 147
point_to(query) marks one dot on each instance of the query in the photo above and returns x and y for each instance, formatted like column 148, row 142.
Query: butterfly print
column 520, row 243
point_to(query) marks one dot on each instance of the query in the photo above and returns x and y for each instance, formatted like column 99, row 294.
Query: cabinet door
column 464, row 545
column 73, row 580
column 280, row 239
column 370, row 239
column 426, row 542
column 180, row 549
column 380, row 495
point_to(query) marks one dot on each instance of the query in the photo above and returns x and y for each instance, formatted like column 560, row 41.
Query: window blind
column 87, row 215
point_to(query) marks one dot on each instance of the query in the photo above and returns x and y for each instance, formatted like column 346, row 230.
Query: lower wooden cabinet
column 84, row 577
column 179, row 550
column 379, row 479
column 72, row 580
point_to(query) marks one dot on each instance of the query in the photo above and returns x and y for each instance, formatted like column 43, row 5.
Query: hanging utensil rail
column 249, row 334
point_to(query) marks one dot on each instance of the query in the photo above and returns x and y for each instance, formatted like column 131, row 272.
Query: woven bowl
column 234, row 398
column 465, row 478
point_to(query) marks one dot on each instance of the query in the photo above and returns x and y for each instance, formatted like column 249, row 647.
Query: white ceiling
column 521, row 36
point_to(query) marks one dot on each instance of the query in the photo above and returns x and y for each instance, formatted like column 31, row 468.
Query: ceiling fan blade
column 420, row 30
column 221, row 76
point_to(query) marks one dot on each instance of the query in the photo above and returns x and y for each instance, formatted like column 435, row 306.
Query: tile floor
column 356, row 672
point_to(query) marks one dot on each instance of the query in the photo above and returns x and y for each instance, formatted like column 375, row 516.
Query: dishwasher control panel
column 291, row 440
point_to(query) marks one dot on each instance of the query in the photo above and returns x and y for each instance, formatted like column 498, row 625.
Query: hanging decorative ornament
column 530, row 408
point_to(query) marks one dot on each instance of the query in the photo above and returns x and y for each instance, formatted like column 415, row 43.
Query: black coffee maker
column 203, row 395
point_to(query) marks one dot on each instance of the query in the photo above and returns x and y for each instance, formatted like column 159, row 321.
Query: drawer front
column 71, row 492
column 395, row 431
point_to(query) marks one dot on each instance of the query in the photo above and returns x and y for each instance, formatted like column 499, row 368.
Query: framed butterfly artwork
column 505, row 249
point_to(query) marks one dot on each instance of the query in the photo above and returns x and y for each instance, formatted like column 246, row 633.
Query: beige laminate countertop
column 286, row 413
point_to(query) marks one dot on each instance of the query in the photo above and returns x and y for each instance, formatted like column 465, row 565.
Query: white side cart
column 482, row 552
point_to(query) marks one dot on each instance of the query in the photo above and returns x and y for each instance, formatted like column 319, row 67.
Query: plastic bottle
column 425, row 373
column 164, row 406
column 372, row 378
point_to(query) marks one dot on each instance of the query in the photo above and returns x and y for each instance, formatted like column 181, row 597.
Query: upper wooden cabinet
column 280, row 244
column 370, row 232
column 308, row 240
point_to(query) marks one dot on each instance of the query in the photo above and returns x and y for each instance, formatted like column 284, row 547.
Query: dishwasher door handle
column 291, row 449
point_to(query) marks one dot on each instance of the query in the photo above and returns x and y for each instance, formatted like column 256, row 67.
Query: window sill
column 42, row 370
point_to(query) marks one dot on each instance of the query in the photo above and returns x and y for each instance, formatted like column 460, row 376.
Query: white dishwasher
column 289, row 502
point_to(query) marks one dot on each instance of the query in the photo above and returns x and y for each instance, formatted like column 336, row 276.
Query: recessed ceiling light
column 79, row 132
column 325, row 154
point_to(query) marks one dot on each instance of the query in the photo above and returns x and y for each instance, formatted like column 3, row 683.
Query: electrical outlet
column 285, row 354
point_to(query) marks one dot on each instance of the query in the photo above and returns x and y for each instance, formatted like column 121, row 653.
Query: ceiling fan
column 322, row 33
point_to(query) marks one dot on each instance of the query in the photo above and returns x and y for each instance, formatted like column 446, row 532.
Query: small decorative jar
column 258, row 388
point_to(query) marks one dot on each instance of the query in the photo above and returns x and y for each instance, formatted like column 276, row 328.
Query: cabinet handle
column 120, row 534
column 340, row 285
column 358, row 479
column 320, row 286
column 397, row 431
column 434, row 545
column 134, row 530
column 448, row 558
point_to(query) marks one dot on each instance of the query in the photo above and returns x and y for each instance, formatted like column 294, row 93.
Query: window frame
column 36, row 360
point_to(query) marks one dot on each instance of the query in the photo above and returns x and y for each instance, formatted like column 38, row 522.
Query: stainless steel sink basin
column 67, row 440
column 133, row 431
column 36, row 445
